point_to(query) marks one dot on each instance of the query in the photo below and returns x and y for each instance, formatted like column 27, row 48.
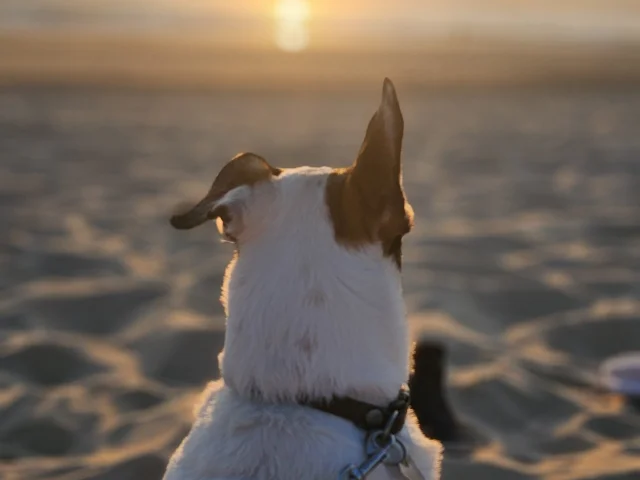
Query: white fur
column 306, row 316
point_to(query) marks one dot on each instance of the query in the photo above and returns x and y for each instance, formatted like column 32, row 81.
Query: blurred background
column 211, row 43
column 522, row 162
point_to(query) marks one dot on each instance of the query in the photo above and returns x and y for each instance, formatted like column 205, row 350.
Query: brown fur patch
column 366, row 201
column 244, row 169
column 356, row 222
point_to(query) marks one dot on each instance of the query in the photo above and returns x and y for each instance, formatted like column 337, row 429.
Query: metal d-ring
column 396, row 451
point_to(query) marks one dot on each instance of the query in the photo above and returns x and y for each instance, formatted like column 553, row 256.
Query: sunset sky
column 232, row 42
column 295, row 24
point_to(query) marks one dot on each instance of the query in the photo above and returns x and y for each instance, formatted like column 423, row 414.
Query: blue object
column 621, row 374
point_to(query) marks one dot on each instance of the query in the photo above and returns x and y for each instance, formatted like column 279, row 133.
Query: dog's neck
column 309, row 318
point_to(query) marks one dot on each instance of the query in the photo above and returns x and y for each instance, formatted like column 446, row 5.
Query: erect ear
column 245, row 169
column 377, row 174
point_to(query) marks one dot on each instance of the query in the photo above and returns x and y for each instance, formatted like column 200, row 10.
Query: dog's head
column 317, row 264
column 364, row 203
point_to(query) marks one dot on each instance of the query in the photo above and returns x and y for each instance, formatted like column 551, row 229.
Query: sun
column 291, row 24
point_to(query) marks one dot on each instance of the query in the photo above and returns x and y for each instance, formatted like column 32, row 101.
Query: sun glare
column 291, row 25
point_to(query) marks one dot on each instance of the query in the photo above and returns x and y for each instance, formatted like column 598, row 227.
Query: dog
column 316, row 322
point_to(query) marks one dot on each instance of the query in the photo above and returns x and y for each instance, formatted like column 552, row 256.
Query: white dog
column 316, row 333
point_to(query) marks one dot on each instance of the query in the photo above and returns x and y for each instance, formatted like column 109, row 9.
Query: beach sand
column 525, row 263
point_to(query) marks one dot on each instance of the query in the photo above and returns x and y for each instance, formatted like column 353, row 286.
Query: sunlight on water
column 291, row 25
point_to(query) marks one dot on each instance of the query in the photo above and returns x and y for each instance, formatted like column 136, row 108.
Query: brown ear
column 377, row 172
column 366, row 201
column 243, row 169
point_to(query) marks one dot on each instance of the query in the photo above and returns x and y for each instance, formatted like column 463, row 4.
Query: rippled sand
column 525, row 262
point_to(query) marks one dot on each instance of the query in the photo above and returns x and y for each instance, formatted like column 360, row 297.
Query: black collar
column 365, row 415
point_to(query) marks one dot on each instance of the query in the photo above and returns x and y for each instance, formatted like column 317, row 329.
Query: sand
column 525, row 263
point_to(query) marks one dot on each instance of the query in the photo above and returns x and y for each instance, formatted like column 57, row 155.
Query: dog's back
column 315, row 311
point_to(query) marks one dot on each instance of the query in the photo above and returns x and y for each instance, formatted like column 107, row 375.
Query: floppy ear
column 377, row 174
column 245, row 169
